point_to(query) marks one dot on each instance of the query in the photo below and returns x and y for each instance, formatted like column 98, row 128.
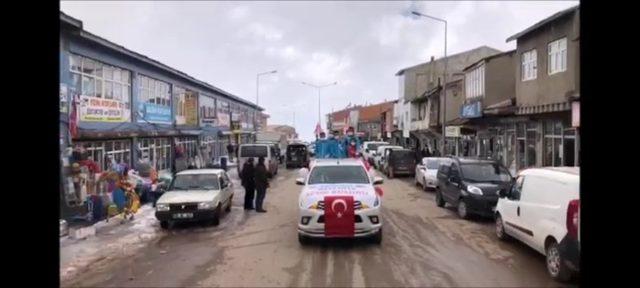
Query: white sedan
column 195, row 195
column 330, row 178
column 427, row 171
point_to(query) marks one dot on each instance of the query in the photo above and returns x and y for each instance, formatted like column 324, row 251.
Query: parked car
column 400, row 162
column 427, row 172
column 543, row 211
column 246, row 151
column 369, row 149
column 195, row 195
column 381, row 154
column 471, row 185
column 297, row 155
column 338, row 177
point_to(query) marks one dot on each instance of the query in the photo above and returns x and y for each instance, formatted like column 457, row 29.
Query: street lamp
column 258, row 82
column 319, row 87
column 444, row 89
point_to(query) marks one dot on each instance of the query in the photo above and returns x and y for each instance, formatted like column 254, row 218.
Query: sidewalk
column 112, row 239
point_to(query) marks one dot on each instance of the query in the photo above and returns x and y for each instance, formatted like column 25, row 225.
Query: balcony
column 419, row 125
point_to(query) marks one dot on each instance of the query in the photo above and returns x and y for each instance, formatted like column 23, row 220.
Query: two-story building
column 522, row 106
column 118, row 106
column 371, row 120
column 421, row 91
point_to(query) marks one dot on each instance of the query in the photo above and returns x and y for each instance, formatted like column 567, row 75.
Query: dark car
column 472, row 185
column 400, row 162
column 297, row 155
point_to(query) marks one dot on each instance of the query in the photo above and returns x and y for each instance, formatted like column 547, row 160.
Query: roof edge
column 543, row 22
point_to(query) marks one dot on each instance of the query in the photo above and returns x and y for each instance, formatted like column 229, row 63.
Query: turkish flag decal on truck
column 339, row 216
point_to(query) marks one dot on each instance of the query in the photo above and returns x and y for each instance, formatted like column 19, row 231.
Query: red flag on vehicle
column 339, row 216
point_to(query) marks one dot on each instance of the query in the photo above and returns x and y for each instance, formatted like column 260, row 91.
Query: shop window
column 154, row 91
column 531, row 147
column 97, row 79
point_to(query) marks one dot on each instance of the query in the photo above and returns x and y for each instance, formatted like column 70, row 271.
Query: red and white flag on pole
column 339, row 216
column 318, row 129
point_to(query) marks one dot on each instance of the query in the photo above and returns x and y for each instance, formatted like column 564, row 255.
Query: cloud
column 359, row 44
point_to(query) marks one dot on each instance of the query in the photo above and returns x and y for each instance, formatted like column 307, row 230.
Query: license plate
column 182, row 215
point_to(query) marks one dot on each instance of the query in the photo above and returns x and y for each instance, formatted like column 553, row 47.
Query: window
column 474, row 85
column 338, row 175
column 195, row 182
column 96, row 79
column 516, row 189
column 529, row 65
column 253, row 151
column 178, row 100
column 484, row 172
column 154, row 91
column 557, row 56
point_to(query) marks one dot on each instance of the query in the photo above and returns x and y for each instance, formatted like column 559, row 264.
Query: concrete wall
column 425, row 76
column 455, row 99
column 547, row 89
column 499, row 79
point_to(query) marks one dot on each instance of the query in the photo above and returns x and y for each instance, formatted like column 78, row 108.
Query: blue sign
column 472, row 110
column 156, row 113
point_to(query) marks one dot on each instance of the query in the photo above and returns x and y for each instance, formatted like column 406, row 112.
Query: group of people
column 336, row 147
column 255, row 178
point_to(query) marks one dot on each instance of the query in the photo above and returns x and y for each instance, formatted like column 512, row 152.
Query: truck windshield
column 338, row 175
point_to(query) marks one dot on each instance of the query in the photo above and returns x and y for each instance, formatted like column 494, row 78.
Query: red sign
column 339, row 216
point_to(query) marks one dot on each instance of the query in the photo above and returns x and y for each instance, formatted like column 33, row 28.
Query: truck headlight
column 474, row 190
column 205, row 205
column 162, row 207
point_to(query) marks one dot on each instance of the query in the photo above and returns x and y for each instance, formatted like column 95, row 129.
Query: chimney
column 432, row 58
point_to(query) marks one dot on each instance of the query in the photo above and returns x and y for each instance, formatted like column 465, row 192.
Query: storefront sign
column 472, row 110
column 64, row 98
column 207, row 110
column 93, row 109
column 235, row 117
column 452, row 131
column 575, row 114
column 191, row 109
column 155, row 113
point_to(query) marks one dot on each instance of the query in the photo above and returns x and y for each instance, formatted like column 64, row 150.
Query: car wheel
column 164, row 225
column 424, row 185
column 228, row 209
column 463, row 209
column 502, row 235
column 286, row 166
column 377, row 238
column 304, row 240
column 556, row 267
column 439, row 200
column 216, row 217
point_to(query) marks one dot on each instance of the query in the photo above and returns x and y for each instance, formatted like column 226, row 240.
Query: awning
column 458, row 122
column 506, row 107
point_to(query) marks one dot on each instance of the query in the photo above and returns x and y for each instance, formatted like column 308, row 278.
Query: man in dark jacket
column 247, row 175
column 230, row 150
column 262, row 183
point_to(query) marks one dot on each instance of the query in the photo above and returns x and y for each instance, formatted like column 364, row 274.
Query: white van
column 246, row 151
column 542, row 209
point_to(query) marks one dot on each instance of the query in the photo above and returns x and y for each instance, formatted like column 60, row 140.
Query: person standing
column 230, row 151
column 248, row 182
column 262, row 183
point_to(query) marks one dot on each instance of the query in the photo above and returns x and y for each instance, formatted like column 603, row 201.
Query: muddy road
column 422, row 245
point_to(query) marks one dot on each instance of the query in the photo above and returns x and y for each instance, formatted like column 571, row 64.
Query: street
column 422, row 245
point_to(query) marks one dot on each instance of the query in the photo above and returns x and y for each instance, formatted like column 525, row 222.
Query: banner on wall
column 64, row 98
column 155, row 113
column 94, row 109
column 191, row 109
column 224, row 120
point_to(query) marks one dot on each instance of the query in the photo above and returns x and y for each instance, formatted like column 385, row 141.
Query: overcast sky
column 361, row 45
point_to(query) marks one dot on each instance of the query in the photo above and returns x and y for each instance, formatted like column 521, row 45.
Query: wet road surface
column 422, row 245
